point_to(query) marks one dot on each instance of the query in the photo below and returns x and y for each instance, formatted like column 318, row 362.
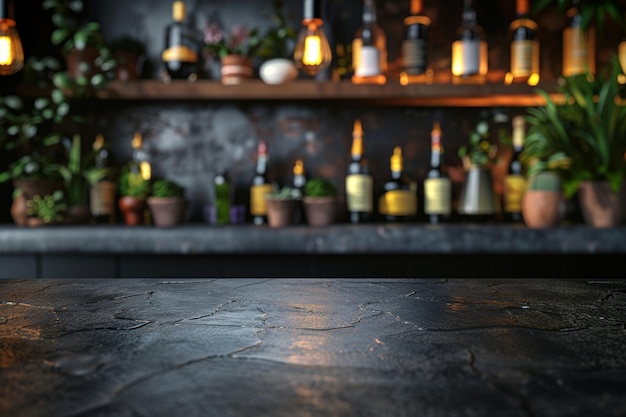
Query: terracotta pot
column 128, row 65
column 168, row 211
column 132, row 209
column 542, row 209
column 320, row 211
column 601, row 207
column 78, row 214
column 18, row 209
column 280, row 212
column 31, row 188
column 236, row 69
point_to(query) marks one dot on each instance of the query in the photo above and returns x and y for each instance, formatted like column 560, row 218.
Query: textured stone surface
column 285, row 347
column 336, row 239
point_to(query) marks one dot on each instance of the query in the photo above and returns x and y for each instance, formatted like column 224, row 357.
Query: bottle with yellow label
column 514, row 180
column 359, row 181
column 524, row 60
column 102, row 192
column 437, row 186
column 260, row 186
column 579, row 45
column 180, row 55
column 398, row 203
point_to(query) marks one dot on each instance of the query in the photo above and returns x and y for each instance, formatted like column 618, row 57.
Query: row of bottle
column 469, row 63
column 398, row 201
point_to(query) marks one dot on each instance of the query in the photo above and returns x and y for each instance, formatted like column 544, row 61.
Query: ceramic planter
column 542, row 209
column 132, row 209
column 236, row 69
column 320, row 211
column 601, row 207
column 278, row 71
column 477, row 196
column 168, row 211
column 280, row 212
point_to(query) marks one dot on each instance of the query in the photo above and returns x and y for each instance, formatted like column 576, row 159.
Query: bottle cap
column 178, row 11
column 396, row 159
column 136, row 143
column 357, row 142
column 298, row 168
column 98, row 143
column 262, row 148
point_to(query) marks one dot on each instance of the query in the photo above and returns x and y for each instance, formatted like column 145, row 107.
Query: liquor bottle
column 260, row 186
column 359, row 181
column 514, row 180
column 579, row 46
column 398, row 203
column 369, row 49
column 469, row 50
column 414, row 47
column 299, row 180
column 221, row 184
column 102, row 192
column 437, row 186
column 180, row 55
column 140, row 165
column 524, row 47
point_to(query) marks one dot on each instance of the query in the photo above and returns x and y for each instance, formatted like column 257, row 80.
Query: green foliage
column 167, row 188
column 132, row 184
column 582, row 138
column 238, row 41
column 545, row 181
column 279, row 41
column 285, row 193
column 320, row 187
column 49, row 208
column 592, row 11
column 481, row 151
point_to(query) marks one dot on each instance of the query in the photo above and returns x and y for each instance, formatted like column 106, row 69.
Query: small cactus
column 545, row 181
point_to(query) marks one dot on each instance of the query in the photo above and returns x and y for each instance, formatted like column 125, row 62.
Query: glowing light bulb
column 11, row 53
column 312, row 53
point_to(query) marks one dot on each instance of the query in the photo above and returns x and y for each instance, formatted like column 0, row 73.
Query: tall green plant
column 592, row 11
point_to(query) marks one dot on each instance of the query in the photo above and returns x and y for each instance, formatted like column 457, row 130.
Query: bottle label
column 414, row 55
column 369, row 62
column 514, row 188
column 578, row 52
column 180, row 53
column 258, row 207
column 524, row 58
column 469, row 57
column 359, row 194
column 398, row 203
column 102, row 198
column 437, row 196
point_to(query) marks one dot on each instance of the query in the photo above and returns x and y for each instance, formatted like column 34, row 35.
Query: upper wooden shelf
column 491, row 94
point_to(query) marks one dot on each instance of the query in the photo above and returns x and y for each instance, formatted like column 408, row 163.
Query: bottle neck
column 369, row 13
column 469, row 15
column 357, row 148
column 261, row 164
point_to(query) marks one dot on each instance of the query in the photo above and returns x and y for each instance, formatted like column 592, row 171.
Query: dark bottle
column 398, row 203
column 359, row 181
column 514, row 180
column 414, row 47
column 469, row 50
column 180, row 55
column 221, row 184
column 260, row 186
column 524, row 47
column 299, row 179
column 437, row 186
column 102, row 192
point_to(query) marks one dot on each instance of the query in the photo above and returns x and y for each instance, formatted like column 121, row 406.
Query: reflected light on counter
column 11, row 53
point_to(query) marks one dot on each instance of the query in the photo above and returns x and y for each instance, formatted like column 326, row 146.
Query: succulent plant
column 49, row 208
column 545, row 181
column 320, row 187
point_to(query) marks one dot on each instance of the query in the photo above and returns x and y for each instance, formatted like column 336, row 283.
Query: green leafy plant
column 279, row 40
column 481, row 151
column 285, row 193
column 320, row 187
column 166, row 188
column 592, row 11
column 582, row 137
column 133, row 185
column 49, row 208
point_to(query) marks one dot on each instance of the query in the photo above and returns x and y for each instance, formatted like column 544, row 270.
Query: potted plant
column 234, row 49
column 543, row 204
column 477, row 195
column 46, row 209
column 89, row 61
column 281, row 206
column 167, row 203
column 134, row 190
column 583, row 138
column 276, row 47
column 320, row 202
column 128, row 53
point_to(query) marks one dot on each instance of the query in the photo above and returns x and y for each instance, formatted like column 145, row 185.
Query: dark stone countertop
column 336, row 239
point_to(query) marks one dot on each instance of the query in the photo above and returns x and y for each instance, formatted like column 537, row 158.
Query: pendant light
column 312, row 53
column 11, row 53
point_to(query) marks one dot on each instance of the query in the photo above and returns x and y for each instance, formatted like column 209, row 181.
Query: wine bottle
column 524, row 47
column 514, row 180
column 102, row 192
column 221, row 185
column 414, row 47
column 369, row 49
column 180, row 55
column 299, row 180
column 579, row 50
column 437, row 186
column 359, row 181
column 260, row 186
column 398, row 203
column 469, row 50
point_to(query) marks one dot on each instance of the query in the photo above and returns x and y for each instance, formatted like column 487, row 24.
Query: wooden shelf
column 418, row 95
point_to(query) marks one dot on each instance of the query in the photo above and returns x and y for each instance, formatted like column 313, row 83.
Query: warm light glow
column 11, row 53
column 312, row 53
column 358, row 128
column 146, row 171
column 621, row 53
column 533, row 80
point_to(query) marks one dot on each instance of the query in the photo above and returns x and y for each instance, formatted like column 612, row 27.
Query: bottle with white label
column 369, row 49
column 437, row 186
column 398, row 203
column 359, row 181
column 469, row 50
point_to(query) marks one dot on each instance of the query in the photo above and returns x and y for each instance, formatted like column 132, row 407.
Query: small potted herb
column 133, row 191
column 168, row 203
column 281, row 206
column 47, row 209
column 320, row 202
column 234, row 49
